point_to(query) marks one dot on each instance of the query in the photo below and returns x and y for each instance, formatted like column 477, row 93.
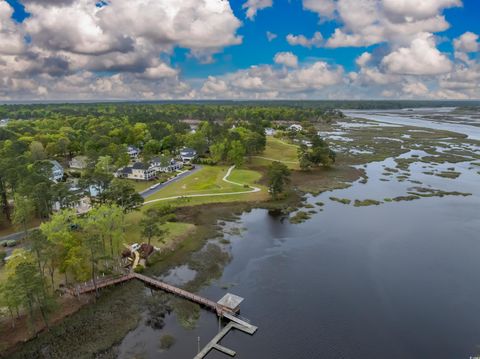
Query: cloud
column 268, row 82
column 363, row 59
column 468, row 42
column 416, row 89
column 301, row 40
column 271, row 36
column 11, row 39
column 369, row 22
column 253, row 6
column 286, row 58
column 324, row 8
column 120, row 47
column 401, row 10
column 420, row 58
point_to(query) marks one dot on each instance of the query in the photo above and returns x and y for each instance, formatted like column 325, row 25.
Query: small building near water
column 231, row 301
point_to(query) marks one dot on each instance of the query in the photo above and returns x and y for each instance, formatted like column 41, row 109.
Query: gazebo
column 231, row 301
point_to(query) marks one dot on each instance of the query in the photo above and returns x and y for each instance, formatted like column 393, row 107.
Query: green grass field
column 278, row 150
column 207, row 181
column 175, row 230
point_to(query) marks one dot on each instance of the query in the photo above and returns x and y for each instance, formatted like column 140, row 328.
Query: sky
column 239, row 49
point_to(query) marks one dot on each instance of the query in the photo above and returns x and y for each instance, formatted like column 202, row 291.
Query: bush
column 206, row 161
column 3, row 254
column 139, row 269
column 166, row 341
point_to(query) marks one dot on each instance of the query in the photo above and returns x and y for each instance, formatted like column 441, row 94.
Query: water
column 399, row 280
column 451, row 123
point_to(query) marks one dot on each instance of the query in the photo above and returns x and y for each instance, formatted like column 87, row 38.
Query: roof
column 132, row 149
column 188, row 152
column 125, row 170
column 56, row 165
column 230, row 300
column 140, row 166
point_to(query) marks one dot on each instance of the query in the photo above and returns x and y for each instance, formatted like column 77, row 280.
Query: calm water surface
column 399, row 280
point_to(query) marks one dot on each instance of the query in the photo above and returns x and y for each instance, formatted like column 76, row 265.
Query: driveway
column 149, row 192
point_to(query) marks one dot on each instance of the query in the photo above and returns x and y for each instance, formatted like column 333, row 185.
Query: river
column 398, row 280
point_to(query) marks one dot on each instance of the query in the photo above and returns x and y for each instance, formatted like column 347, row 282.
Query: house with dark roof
column 138, row 171
column 133, row 152
column 165, row 164
column 188, row 154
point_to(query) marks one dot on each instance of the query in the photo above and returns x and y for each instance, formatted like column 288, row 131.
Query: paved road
column 149, row 192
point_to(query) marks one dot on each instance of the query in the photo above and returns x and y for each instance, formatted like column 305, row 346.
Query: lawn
column 208, row 180
column 6, row 228
column 278, row 150
column 175, row 230
column 141, row 186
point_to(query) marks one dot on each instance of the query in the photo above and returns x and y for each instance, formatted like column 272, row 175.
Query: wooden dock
column 207, row 303
column 214, row 343
column 236, row 322
column 183, row 293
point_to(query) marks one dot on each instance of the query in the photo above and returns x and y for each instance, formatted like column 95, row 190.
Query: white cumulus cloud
column 420, row 58
column 301, row 40
column 286, row 58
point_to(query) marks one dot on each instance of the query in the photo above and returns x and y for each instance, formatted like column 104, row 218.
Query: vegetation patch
column 340, row 200
column 166, row 341
column 366, row 202
column 300, row 217
column 405, row 198
column 448, row 174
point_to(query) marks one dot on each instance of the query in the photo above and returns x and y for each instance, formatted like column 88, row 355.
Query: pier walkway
column 90, row 287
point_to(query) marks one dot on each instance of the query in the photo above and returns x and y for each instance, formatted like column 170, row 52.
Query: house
column 4, row 122
column 133, row 152
column 295, row 128
column 307, row 143
column 79, row 162
column 269, row 132
column 165, row 164
column 188, row 154
column 138, row 171
column 57, row 171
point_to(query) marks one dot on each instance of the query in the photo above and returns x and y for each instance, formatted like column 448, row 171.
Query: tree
column 23, row 212
column 25, row 284
column 109, row 220
column 37, row 151
column 278, row 176
column 319, row 154
column 236, row 153
column 152, row 222
column 92, row 238
column 66, row 248
column 123, row 194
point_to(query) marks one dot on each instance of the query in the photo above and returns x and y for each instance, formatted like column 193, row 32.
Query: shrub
column 166, row 341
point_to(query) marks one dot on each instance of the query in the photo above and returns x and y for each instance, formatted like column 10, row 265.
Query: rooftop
column 230, row 300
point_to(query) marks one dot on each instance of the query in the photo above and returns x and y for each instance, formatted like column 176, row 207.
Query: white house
column 269, row 132
column 138, row 171
column 57, row 171
column 188, row 154
column 164, row 164
column 4, row 122
column 79, row 162
column 133, row 152
column 295, row 127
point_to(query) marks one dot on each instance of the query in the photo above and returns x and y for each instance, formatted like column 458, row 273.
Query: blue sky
column 221, row 52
